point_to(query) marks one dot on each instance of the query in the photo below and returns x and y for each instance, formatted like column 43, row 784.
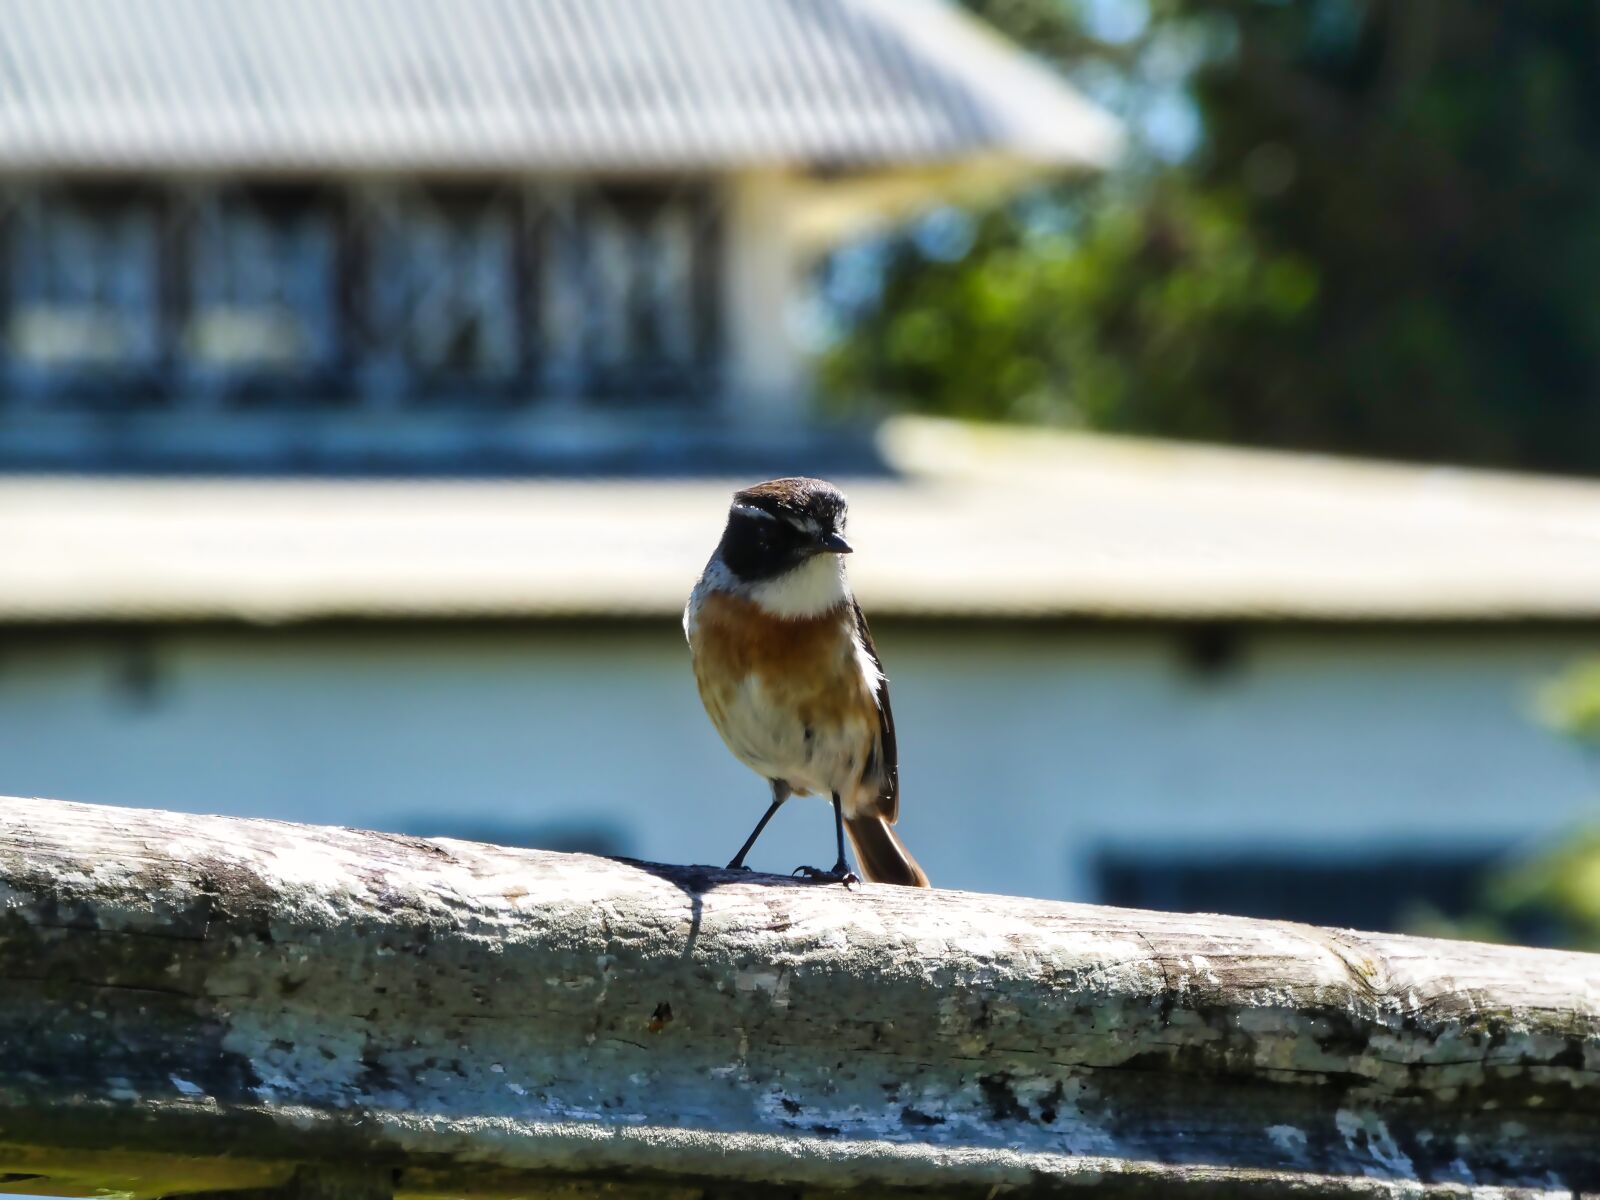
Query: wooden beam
column 199, row 1004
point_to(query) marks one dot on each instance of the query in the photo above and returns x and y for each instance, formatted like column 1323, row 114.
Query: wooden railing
column 203, row 1004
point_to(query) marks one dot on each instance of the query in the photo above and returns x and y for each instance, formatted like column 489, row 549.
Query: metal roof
column 978, row 523
column 522, row 84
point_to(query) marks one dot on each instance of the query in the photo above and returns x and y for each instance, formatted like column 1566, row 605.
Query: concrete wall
column 1023, row 750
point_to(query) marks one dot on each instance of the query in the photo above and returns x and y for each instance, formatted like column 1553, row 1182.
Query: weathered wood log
column 201, row 1004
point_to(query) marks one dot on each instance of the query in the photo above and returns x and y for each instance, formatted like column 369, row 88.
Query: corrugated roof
column 509, row 84
column 980, row 524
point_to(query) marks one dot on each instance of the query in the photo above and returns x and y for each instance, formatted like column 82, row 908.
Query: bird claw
column 838, row 875
column 738, row 866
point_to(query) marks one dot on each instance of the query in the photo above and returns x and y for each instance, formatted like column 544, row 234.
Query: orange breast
column 734, row 637
column 788, row 696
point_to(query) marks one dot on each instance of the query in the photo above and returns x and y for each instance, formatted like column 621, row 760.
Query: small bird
column 790, row 677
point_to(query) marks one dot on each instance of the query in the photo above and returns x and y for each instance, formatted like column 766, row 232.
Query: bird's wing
column 889, row 758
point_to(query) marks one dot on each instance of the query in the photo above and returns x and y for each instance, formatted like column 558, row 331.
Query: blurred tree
column 1570, row 703
column 1551, row 897
column 1561, row 889
column 1383, row 240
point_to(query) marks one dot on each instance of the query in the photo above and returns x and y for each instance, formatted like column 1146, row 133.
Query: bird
column 789, row 675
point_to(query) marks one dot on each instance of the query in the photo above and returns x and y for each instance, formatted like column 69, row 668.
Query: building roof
column 977, row 524
column 453, row 85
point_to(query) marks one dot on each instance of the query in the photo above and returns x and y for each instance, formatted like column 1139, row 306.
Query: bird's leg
column 841, row 866
column 780, row 793
column 841, row 872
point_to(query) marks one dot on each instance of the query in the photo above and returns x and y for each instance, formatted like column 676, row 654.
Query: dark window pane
column 1375, row 892
column 574, row 835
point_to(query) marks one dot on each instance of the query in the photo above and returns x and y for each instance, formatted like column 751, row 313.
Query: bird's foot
column 841, row 873
column 736, row 865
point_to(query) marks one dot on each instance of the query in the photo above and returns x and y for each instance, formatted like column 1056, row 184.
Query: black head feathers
column 775, row 526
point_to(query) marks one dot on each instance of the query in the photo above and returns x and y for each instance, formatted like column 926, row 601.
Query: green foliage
column 1558, row 892
column 1570, row 703
column 1562, row 887
column 1553, row 896
column 1044, row 327
column 1385, row 242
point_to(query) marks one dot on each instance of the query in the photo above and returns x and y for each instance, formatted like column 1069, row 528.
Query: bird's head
column 784, row 525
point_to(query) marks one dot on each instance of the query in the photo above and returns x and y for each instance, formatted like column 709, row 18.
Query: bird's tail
column 883, row 857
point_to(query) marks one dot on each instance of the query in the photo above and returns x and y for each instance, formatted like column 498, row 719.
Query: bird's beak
column 833, row 544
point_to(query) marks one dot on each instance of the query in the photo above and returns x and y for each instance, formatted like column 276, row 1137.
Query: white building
column 1119, row 669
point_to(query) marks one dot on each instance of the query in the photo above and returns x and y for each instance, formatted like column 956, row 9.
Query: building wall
column 1025, row 750
column 762, row 282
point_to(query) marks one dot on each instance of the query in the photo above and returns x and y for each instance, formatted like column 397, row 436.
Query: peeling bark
column 194, row 1004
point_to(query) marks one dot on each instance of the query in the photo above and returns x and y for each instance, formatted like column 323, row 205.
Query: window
column 442, row 303
column 573, row 834
column 82, row 303
column 154, row 298
column 628, row 292
column 260, row 311
column 1375, row 891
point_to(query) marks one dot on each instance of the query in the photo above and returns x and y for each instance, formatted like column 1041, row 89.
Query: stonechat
column 790, row 677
